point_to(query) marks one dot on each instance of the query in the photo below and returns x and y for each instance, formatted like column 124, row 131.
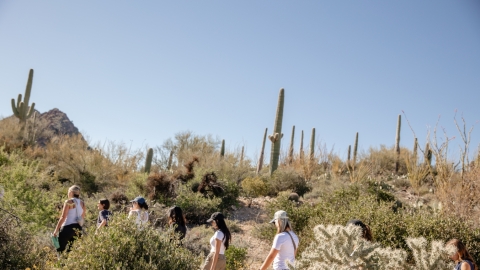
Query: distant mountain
column 56, row 123
column 48, row 125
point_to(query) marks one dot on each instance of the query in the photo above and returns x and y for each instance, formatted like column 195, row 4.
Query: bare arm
column 62, row 218
column 268, row 261
column 218, row 244
column 82, row 204
column 104, row 222
column 465, row 266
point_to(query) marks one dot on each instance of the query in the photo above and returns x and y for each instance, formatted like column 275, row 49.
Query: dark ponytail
column 227, row 236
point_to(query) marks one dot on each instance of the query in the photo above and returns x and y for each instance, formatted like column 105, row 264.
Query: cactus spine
column 301, row 146
column 222, row 149
column 262, row 152
column 397, row 143
column 355, row 148
column 21, row 109
column 290, row 150
column 148, row 160
column 277, row 135
column 312, row 144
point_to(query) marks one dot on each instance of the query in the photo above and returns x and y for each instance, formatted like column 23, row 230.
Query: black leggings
column 67, row 236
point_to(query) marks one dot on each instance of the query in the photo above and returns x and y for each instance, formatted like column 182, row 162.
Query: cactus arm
column 28, row 88
column 19, row 100
column 15, row 109
column 31, row 110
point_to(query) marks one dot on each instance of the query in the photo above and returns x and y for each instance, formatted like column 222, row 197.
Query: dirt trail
column 247, row 218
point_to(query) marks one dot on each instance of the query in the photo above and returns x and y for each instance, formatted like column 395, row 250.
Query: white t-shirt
column 286, row 252
column 141, row 217
column 217, row 235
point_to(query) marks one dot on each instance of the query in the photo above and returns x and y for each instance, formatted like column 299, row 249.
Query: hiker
column 366, row 232
column 176, row 220
column 285, row 244
column 104, row 215
column 463, row 260
column 70, row 223
column 139, row 211
column 219, row 243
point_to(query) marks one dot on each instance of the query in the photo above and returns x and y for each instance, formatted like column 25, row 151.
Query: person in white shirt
column 219, row 243
column 285, row 244
column 70, row 223
column 139, row 211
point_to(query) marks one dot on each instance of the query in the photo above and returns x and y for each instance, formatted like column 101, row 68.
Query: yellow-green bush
column 122, row 245
column 254, row 187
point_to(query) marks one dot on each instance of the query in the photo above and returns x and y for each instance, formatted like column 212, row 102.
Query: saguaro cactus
column 260, row 159
column 415, row 147
column 241, row 155
column 148, row 160
column 277, row 135
column 355, row 148
column 428, row 155
column 222, row 149
column 397, row 144
column 290, row 150
column 312, row 145
column 170, row 160
column 348, row 154
column 301, row 146
column 21, row 109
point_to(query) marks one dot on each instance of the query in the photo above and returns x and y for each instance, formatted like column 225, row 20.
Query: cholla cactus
column 339, row 247
column 432, row 258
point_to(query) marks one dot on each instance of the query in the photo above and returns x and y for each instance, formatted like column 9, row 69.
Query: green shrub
column 197, row 240
column 123, row 246
column 236, row 257
column 254, row 187
column 287, row 179
column 195, row 206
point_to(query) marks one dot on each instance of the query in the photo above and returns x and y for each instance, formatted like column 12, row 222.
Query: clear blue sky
column 140, row 71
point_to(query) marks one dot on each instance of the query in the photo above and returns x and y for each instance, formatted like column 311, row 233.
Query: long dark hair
column 175, row 215
column 222, row 226
column 366, row 231
column 462, row 251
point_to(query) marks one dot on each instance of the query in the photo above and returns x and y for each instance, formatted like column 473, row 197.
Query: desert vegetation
column 414, row 199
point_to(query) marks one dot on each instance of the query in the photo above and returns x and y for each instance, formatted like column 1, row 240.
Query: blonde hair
column 75, row 190
column 283, row 224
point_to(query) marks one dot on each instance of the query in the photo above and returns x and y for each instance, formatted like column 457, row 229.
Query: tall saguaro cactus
column 312, row 145
column 222, row 150
column 262, row 152
column 301, row 146
column 277, row 135
column 290, row 150
column 355, row 148
column 397, row 143
column 241, row 155
column 21, row 109
column 148, row 160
